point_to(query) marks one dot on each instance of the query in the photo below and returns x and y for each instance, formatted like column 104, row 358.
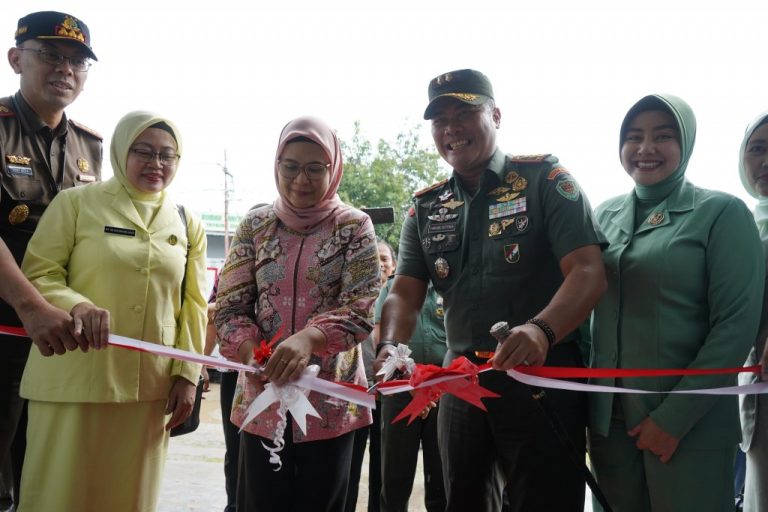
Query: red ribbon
column 466, row 388
column 263, row 350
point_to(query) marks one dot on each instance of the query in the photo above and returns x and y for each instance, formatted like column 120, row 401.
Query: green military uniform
column 685, row 275
column 495, row 256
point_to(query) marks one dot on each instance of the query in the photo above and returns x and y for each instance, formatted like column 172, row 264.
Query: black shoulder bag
column 193, row 421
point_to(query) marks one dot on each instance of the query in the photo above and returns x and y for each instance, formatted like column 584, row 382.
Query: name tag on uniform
column 87, row 178
column 18, row 170
column 119, row 231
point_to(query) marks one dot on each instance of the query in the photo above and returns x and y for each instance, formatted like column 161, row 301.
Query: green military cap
column 52, row 25
column 466, row 85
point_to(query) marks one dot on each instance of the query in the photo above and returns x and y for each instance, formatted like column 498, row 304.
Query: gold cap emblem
column 18, row 214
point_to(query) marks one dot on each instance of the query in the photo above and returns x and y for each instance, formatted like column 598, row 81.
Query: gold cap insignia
column 173, row 240
column 83, row 165
column 18, row 214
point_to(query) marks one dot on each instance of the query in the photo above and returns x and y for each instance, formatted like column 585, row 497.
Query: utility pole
column 227, row 197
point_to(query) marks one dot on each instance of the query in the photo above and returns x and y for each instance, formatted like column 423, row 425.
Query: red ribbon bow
column 263, row 350
column 466, row 388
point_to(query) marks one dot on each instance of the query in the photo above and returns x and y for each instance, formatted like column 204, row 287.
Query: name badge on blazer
column 112, row 230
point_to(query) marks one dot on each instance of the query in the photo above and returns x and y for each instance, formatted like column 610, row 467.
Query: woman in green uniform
column 685, row 283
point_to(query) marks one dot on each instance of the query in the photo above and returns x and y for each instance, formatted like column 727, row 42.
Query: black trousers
column 400, row 444
column 374, row 464
column 13, row 425
column 512, row 445
column 314, row 475
column 231, row 438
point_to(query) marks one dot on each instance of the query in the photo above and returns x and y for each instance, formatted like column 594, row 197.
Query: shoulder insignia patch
column 5, row 111
column 430, row 188
column 84, row 128
column 529, row 159
column 554, row 173
column 411, row 211
column 568, row 189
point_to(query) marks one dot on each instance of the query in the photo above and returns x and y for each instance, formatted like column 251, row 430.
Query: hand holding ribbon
column 399, row 361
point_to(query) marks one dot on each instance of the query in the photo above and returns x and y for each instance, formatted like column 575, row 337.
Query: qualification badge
column 83, row 165
column 494, row 229
column 519, row 184
column 453, row 204
column 511, row 177
column 18, row 214
column 173, row 240
column 442, row 269
column 512, row 253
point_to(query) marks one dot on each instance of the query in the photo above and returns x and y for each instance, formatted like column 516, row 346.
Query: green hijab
column 686, row 126
column 127, row 130
column 761, row 210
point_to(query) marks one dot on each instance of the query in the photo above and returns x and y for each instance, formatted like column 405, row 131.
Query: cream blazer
column 91, row 245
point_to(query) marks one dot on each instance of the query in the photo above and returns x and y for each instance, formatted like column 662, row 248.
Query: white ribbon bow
column 400, row 360
column 292, row 398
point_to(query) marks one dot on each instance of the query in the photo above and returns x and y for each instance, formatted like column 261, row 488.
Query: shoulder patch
column 529, row 159
column 568, row 188
column 430, row 188
column 411, row 211
column 556, row 171
column 85, row 129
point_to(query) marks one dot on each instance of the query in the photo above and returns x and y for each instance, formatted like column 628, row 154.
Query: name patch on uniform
column 119, row 231
column 18, row 170
column 505, row 209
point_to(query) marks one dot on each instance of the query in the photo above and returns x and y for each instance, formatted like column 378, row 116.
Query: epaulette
column 430, row 188
column 6, row 111
column 84, row 128
column 529, row 159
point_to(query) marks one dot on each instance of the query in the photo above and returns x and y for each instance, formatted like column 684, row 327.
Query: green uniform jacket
column 684, row 291
column 91, row 245
column 501, row 247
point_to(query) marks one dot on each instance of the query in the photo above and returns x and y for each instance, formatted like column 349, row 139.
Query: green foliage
column 387, row 175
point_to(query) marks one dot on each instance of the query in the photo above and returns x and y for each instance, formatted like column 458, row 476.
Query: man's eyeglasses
column 291, row 170
column 77, row 63
column 166, row 158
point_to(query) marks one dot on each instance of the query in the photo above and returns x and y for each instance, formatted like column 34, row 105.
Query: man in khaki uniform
column 41, row 152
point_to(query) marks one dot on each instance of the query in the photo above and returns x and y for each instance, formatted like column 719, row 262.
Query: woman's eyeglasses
column 290, row 170
column 166, row 158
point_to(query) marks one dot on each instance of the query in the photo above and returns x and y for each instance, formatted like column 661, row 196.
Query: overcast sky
column 564, row 74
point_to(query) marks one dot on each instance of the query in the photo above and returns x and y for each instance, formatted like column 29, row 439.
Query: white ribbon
column 292, row 397
column 400, row 360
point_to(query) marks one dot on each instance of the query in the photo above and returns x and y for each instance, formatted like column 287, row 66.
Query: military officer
column 41, row 152
column 505, row 238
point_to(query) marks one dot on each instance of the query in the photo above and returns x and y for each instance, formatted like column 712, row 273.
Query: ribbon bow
column 400, row 360
column 466, row 387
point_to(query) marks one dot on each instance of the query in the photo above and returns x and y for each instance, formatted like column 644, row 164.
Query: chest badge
column 519, row 184
column 512, row 253
column 445, row 195
column 494, row 229
column 442, row 215
column 656, row 218
column 511, row 177
column 453, row 204
column 18, row 214
column 173, row 240
column 507, row 197
column 18, row 159
column 83, row 165
column 498, row 191
column 521, row 222
column 442, row 269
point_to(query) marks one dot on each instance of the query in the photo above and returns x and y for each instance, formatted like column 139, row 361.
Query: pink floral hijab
column 306, row 220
